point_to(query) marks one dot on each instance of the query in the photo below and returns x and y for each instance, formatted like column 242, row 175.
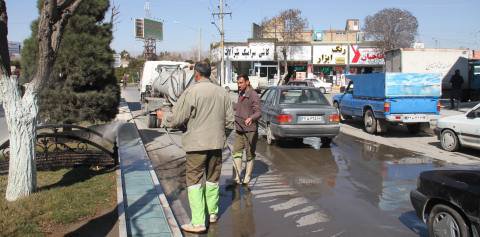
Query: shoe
column 213, row 218
column 194, row 228
column 248, row 172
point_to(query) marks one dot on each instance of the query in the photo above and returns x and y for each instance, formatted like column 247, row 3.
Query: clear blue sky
column 454, row 23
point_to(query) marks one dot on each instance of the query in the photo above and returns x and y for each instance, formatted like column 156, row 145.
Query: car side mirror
column 342, row 89
column 234, row 79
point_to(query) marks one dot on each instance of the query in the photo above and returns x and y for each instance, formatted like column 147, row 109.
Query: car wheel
column 369, row 121
column 269, row 136
column 323, row 90
column 326, row 141
column 445, row 221
column 414, row 128
column 449, row 141
column 227, row 89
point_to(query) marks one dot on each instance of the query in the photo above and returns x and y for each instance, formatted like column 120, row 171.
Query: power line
column 221, row 14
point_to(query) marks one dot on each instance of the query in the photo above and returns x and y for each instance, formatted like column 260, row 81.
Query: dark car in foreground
column 298, row 112
column 448, row 201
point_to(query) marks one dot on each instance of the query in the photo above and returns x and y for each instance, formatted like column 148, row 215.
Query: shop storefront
column 253, row 58
column 298, row 59
column 330, row 62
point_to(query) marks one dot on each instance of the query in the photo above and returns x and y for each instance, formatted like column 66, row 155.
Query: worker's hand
column 248, row 121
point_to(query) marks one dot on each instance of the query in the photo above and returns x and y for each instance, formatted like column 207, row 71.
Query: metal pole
column 200, row 46
column 222, row 45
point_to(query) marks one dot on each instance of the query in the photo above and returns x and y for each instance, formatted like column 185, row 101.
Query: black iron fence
column 66, row 145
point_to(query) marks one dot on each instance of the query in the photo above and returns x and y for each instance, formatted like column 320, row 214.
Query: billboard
column 14, row 47
column 148, row 29
column 366, row 56
column 330, row 54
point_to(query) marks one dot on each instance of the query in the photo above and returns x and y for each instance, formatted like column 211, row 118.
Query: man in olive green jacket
column 207, row 110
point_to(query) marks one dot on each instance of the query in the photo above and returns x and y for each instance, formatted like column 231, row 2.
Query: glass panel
column 302, row 96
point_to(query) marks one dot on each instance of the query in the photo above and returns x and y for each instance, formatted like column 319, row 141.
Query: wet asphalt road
column 353, row 188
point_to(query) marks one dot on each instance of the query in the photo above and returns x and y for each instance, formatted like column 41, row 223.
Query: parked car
column 380, row 99
column 298, row 112
column 460, row 130
column 324, row 87
column 448, row 202
column 300, row 83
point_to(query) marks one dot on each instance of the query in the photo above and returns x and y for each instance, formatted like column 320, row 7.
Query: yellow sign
column 340, row 60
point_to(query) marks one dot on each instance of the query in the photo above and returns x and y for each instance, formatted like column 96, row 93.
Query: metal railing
column 67, row 145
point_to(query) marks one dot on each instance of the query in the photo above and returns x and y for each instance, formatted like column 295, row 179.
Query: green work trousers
column 200, row 163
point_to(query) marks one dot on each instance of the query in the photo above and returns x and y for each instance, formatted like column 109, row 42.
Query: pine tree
column 83, row 85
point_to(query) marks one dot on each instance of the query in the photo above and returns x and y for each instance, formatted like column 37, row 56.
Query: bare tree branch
column 287, row 27
column 392, row 27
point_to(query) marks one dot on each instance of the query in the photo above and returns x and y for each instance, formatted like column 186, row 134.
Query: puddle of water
column 353, row 178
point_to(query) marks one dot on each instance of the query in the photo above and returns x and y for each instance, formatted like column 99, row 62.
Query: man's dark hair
column 203, row 68
column 244, row 76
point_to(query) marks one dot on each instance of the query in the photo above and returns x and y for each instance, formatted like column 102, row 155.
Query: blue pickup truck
column 411, row 99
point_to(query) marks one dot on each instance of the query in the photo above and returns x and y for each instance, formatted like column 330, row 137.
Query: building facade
column 328, row 54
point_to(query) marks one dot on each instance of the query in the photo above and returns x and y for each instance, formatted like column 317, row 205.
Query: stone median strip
column 146, row 211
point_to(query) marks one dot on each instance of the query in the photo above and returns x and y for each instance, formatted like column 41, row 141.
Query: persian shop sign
column 330, row 54
column 366, row 56
column 252, row 52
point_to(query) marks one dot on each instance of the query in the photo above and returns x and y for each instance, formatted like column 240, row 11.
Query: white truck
column 442, row 61
column 161, row 85
column 151, row 71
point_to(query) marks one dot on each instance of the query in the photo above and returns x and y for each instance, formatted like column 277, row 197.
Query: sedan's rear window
column 302, row 96
column 298, row 83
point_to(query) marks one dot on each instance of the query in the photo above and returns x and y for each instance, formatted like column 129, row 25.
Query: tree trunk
column 21, row 115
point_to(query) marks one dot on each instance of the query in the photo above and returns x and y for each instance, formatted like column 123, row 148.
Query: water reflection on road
column 353, row 187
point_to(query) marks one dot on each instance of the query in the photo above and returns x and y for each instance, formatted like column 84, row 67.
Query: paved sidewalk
column 426, row 144
column 146, row 209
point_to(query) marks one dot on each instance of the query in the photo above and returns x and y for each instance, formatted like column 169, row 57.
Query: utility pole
column 200, row 45
column 221, row 15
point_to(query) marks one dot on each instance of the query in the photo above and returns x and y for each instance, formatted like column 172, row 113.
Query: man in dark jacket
column 246, row 128
column 456, row 94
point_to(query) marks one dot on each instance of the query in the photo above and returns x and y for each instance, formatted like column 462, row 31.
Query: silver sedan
column 298, row 112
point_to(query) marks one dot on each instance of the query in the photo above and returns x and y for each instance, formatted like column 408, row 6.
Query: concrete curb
column 172, row 221
column 126, row 115
column 122, row 222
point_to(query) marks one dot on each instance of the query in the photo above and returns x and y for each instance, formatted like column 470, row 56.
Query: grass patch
column 63, row 197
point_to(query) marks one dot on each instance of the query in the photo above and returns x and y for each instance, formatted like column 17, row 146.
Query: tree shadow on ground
column 77, row 175
column 149, row 135
column 410, row 220
column 99, row 226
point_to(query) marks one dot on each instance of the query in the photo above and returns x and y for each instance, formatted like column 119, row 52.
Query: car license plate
column 312, row 119
column 415, row 118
